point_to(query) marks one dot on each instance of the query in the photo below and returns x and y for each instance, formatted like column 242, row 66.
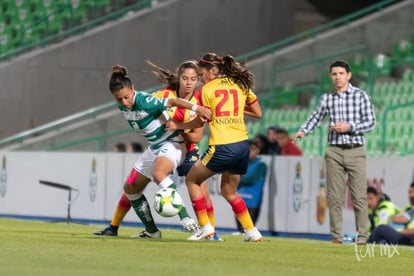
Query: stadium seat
column 77, row 10
column 408, row 75
column 98, row 3
column 6, row 42
column 42, row 7
column 359, row 64
column 13, row 4
column 381, row 64
column 20, row 17
column 29, row 36
column 403, row 50
column 3, row 22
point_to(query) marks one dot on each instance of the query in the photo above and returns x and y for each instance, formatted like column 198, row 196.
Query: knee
column 127, row 188
column 158, row 176
column 228, row 195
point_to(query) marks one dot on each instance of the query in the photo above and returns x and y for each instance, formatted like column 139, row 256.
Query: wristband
column 194, row 107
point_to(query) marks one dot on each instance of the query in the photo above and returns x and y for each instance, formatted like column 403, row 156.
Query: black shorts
column 233, row 158
column 190, row 158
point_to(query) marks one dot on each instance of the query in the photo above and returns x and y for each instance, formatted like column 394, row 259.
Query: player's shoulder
column 165, row 93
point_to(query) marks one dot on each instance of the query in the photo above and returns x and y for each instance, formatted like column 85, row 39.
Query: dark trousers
column 385, row 233
column 254, row 213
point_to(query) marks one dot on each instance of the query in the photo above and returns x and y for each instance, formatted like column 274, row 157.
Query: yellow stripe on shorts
column 209, row 154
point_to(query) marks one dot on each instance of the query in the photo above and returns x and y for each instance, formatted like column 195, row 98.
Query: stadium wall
column 289, row 203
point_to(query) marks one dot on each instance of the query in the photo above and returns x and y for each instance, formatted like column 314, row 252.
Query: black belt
column 348, row 146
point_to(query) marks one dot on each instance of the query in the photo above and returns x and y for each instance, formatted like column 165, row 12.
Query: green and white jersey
column 148, row 116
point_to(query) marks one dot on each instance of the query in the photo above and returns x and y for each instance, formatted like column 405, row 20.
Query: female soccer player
column 227, row 91
column 181, row 84
column 147, row 115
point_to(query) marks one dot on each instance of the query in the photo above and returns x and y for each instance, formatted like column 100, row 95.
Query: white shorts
column 173, row 151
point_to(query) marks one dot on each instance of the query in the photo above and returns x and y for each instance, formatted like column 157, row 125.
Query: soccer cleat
column 108, row 231
column 214, row 237
column 189, row 224
column 202, row 233
column 147, row 235
column 252, row 235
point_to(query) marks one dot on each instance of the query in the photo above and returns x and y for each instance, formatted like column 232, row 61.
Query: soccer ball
column 168, row 202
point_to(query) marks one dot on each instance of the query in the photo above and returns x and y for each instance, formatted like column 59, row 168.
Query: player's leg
column 170, row 156
column 197, row 175
column 229, row 184
column 210, row 211
column 209, row 203
column 190, row 159
column 133, row 188
column 121, row 210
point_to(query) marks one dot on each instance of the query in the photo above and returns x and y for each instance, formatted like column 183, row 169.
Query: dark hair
column 412, row 185
column 282, row 131
column 230, row 68
column 372, row 190
column 340, row 63
column 172, row 79
column 136, row 147
column 119, row 78
column 263, row 139
column 120, row 147
column 274, row 128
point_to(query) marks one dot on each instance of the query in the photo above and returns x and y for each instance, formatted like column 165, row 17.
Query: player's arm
column 201, row 111
column 194, row 135
column 193, row 124
column 253, row 110
column 252, row 107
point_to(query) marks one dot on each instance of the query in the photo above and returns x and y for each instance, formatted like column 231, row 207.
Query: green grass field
column 44, row 248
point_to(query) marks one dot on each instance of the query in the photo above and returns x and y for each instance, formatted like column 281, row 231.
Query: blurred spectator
column 380, row 208
column 287, row 146
column 403, row 235
column 251, row 184
column 263, row 143
column 134, row 147
column 120, row 147
column 274, row 147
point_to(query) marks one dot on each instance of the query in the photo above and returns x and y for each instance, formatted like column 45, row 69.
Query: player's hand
column 204, row 112
column 298, row 136
column 171, row 125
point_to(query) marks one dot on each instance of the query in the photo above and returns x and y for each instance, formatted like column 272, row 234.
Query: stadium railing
column 271, row 48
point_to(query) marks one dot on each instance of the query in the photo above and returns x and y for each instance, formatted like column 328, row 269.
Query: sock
column 167, row 183
column 210, row 212
column 121, row 210
column 140, row 204
column 242, row 214
column 183, row 213
column 199, row 206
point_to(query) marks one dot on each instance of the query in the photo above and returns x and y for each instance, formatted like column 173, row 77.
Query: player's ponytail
column 165, row 76
column 238, row 72
column 229, row 68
